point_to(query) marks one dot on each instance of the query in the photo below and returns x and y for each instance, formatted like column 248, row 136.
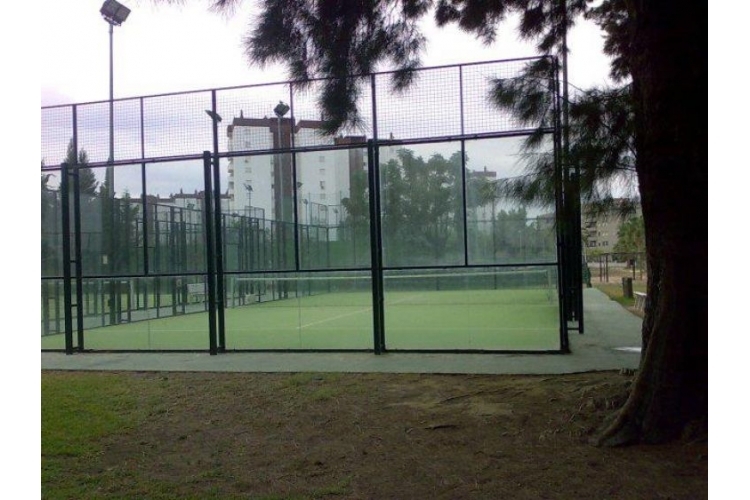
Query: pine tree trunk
column 669, row 66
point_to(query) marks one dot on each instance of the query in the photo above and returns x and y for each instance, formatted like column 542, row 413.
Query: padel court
column 258, row 232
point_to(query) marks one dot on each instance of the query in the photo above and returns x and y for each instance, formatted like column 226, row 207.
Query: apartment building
column 264, row 181
column 599, row 231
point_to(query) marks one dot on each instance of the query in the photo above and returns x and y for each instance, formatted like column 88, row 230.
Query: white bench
column 640, row 300
column 196, row 291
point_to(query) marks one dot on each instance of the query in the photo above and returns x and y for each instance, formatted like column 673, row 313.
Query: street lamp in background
column 280, row 110
column 298, row 193
column 115, row 14
column 249, row 189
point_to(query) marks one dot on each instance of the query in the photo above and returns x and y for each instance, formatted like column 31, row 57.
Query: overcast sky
column 175, row 48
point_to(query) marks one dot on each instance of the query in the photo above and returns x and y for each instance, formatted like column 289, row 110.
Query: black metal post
column 210, row 260
column 219, row 255
column 157, row 260
column 144, row 198
column 376, row 270
column 77, row 235
column 173, row 253
column 559, row 213
column 67, row 288
column 463, row 194
column 78, row 262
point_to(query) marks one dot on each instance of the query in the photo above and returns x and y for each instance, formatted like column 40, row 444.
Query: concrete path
column 609, row 330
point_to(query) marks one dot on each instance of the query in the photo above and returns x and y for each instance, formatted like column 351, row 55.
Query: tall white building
column 263, row 183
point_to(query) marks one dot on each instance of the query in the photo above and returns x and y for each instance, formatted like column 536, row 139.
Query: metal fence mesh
column 481, row 117
column 176, row 125
column 444, row 101
column 57, row 130
column 430, row 107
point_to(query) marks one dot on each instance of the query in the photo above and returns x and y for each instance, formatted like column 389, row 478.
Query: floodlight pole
column 110, row 181
column 114, row 13
column 110, row 168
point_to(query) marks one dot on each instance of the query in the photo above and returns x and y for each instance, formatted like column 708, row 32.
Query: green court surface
column 510, row 319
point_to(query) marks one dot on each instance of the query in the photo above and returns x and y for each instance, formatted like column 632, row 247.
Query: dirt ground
column 384, row 436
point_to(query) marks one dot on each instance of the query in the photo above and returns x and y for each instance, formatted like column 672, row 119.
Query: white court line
column 336, row 317
column 353, row 313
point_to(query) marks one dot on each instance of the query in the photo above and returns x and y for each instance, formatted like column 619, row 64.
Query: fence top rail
column 293, row 82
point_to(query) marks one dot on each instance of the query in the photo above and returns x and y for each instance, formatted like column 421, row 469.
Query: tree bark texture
column 669, row 66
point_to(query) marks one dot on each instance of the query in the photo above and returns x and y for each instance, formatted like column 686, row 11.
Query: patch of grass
column 73, row 416
column 78, row 410
column 229, row 436
column 296, row 380
column 614, row 292
column 312, row 386
column 324, row 394
column 340, row 488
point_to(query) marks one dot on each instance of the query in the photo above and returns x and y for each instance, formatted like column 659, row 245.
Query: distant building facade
column 599, row 231
column 265, row 181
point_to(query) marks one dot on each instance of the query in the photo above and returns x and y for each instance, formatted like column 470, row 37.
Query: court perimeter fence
column 196, row 204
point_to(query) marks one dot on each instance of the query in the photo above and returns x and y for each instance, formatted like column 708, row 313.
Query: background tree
column 422, row 206
column 49, row 211
column 86, row 178
column 602, row 143
column 631, row 237
column 357, row 217
column 657, row 46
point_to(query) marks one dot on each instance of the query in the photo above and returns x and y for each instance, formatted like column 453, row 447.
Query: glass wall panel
column 299, row 311
column 51, row 224
column 502, row 230
column 53, row 314
column 111, row 222
column 140, row 314
column 175, row 217
column 333, row 209
column 257, row 221
column 479, row 309
column 422, row 205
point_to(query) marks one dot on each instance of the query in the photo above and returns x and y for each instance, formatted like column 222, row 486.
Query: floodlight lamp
column 114, row 12
column 281, row 109
column 214, row 116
